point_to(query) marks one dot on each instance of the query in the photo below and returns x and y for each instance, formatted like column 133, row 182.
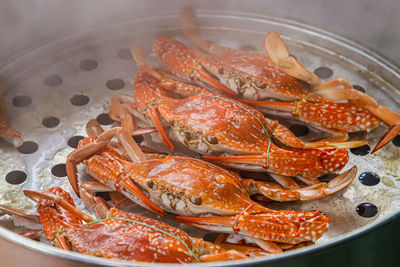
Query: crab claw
column 366, row 102
column 278, row 193
column 337, row 119
column 309, row 163
column 293, row 227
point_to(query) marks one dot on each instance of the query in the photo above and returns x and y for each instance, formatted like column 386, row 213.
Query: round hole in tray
column 53, row 80
column 359, row 88
column 367, row 210
column 361, row 150
column 323, row 72
column 28, row 147
column 79, row 100
column 22, row 101
column 74, row 140
column 138, row 138
column 88, row 64
column 104, row 119
column 59, row 170
column 211, row 236
column 115, row 84
column 299, row 130
column 16, row 177
column 50, row 122
column 396, row 141
column 124, row 53
column 369, row 178
column 104, row 195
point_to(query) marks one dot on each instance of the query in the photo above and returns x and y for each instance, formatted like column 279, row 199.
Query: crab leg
column 333, row 84
column 279, row 54
column 32, row 234
column 11, row 211
column 268, row 248
column 285, row 181
column 210, row 252
column 90, row 149
column 87, row 193
column 187, row 22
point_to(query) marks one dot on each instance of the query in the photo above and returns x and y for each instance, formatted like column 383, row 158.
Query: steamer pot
column 53, row 51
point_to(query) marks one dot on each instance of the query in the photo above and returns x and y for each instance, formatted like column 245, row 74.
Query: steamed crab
column 118, row 235
column 191, row 187
column 254, row 77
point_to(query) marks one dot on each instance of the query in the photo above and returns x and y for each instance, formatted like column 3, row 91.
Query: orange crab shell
column 256, row 68
column 243, row 67
column 215, row 125
column 223, row 193
column 118, row 239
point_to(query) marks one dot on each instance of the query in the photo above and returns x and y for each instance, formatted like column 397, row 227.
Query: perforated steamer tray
column 54, row 90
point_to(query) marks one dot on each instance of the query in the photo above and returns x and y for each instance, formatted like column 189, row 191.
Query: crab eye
column 212, row 139
column 151, row 184
column 221, row 70
column 175, row 124
column 196, row 200
column 154, row 186
column 261, row 85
